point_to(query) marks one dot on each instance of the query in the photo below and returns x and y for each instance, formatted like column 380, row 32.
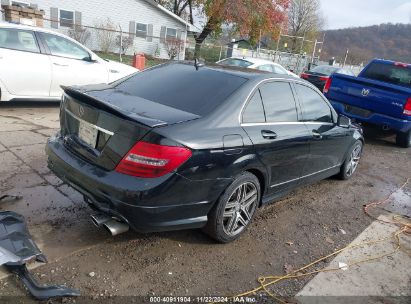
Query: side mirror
column 343, row 121
column 91, row 58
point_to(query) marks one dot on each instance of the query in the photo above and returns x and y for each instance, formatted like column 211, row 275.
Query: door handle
column 59, row 64
column 317, row 135
column 268, row 134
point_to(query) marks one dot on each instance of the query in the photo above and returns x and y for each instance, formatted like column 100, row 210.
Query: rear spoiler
column 82, row 96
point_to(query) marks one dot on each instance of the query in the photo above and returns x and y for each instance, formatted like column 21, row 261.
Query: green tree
column 250, row 18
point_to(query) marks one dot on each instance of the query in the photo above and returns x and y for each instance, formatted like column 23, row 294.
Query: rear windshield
column 390, row 73
column 182, row 87
column 326, row 70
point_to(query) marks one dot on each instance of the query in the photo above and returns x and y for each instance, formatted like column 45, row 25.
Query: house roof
column 190, row 27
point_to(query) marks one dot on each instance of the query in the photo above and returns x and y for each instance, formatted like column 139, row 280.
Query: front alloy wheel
column 351, row 162
column 233, row 212
column 354, row 160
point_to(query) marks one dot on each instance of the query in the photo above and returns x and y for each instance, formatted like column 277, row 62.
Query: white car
column 35, row 62
column 258, row 64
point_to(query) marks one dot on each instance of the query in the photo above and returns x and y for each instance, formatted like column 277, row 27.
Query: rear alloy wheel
column 351, row 163
column 404, row 139
column 235, row 209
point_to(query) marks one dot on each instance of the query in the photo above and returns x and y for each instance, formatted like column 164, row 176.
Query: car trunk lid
column 318, row 79
column 101, row 124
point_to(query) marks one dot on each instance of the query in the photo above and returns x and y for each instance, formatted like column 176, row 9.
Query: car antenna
column 198, row 64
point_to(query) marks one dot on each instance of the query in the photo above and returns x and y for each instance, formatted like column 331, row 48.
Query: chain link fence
column 213, row 53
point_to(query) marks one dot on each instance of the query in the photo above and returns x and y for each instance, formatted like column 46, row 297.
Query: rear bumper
column 318, row 84
column 396, row 124
column 171, row 202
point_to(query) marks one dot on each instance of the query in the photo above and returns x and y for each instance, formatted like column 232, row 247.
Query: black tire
column 348, row 168
column 404, row 139
column 222, row 226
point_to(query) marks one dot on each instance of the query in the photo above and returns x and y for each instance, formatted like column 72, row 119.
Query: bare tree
column 173, row 47
column 304, row 18
column 182, row 8
column 124, row 44
column 79, row 33
column 105, row 34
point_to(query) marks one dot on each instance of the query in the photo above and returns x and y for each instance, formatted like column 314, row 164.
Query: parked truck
column 380, row 95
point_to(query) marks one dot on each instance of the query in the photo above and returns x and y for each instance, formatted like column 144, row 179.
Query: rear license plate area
column 87, row 133
column 357, row 111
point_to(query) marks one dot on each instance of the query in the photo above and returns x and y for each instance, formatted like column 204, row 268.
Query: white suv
column 35, row 62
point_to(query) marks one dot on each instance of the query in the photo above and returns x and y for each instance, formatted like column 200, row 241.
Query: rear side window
column 18, row 40
column 314, row 107
column 182, row 87
column 395, row 74
column 236, row 62
column 266, row 67
column 279, row 102
column 254, row 112
column 280, row 70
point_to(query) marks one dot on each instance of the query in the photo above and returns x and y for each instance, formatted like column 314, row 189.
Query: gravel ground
column 311, row 222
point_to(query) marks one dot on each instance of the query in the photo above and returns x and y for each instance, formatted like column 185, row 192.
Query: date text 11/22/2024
column 201, row 299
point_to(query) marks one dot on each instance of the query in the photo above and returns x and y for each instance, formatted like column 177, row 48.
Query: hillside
column 388, row 41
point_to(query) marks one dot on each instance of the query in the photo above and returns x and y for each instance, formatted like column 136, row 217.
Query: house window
column 171, row 33
column 141, row 30
column 66, row 18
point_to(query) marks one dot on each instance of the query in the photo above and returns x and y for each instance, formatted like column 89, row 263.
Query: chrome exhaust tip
column 114, row 227
column 99, row 219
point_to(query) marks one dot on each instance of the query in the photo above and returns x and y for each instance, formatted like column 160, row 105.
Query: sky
column 353, row 13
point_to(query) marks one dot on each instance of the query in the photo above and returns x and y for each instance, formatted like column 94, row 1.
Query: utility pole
column 322, row 47
column 345, row 59
column 302, row 44
column 315, row 48
column 121, row 43
column 313, row 55
column 278, row 45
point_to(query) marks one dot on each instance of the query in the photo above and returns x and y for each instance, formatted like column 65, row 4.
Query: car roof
column 27, row 27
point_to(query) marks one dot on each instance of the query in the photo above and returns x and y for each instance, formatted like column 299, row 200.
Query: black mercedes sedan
column 183, row 146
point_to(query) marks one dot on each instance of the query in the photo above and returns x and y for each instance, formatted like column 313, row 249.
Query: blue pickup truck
column 380, row 95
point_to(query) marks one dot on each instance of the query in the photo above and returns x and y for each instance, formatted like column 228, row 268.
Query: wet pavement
column 51, row 209
column 290, row 233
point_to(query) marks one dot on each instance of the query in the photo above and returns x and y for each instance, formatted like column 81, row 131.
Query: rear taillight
column 151, row 160
column 327, row 85
column 304, row 75
column 401, row 64
column 324, row 78
column 407, row 107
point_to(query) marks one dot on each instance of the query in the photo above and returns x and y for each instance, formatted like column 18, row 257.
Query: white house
column 147, row 22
